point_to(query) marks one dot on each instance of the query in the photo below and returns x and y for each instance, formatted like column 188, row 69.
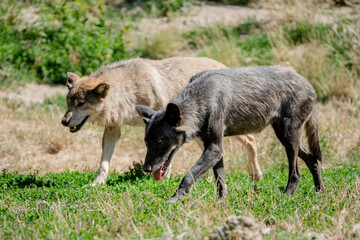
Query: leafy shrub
column 304, row 32
column 256, row 42
column 68, row 36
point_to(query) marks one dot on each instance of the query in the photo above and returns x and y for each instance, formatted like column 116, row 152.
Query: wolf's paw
column 256, row 176
column 167, row 174
column 98, row 182
column 173, row 200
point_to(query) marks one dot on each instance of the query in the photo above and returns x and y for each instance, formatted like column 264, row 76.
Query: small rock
column 219, row 234
column 314, row 235
column 235, row 221
column 42, row 203
column 355, row 233
column 239, row 227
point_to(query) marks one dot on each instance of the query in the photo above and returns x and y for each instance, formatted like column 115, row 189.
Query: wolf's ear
column 173, row 114
column 71, row 79
column 101, row 89
column 145, row 112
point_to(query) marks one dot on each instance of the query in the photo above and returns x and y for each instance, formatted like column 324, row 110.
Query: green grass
column 62, row 205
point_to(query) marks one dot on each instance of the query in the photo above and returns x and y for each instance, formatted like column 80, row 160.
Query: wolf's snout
column 65, row 122
column 147, row 168
column 66, row 119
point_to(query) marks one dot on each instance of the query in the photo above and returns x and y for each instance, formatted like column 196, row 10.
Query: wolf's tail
column 312, row 136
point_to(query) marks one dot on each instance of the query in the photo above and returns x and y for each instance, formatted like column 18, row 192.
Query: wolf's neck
column 118, row 108
column 192, row 120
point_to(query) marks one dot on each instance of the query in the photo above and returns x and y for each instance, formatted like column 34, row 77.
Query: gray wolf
column 108, row 97
column 229, row 102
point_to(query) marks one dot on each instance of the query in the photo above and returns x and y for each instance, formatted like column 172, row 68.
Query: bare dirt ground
column 33, row 92
column 32, row 139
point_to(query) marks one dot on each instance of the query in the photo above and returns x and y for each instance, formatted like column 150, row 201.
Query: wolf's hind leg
column 289, row 136
column 253, row 166
column 313, row 165
column 311, row 159
column 110, row 138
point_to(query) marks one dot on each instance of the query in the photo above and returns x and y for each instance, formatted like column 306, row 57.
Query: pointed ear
column 173, row 114
column 71, row 79
column 101, row 89
column 145, row 112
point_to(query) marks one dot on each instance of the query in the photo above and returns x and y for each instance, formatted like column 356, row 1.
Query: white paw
column 257, row 176
column 167, row 174
column 98, row 182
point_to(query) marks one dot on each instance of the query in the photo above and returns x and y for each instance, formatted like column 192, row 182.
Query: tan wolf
column 108, row 98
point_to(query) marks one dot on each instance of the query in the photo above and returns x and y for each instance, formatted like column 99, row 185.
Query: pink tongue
column 157, row 174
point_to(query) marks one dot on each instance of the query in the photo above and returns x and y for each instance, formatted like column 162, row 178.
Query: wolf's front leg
column 220, row 178
column 210, row 157
column 218, row 172
column 110, row 137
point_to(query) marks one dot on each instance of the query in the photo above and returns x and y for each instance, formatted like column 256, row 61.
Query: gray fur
column 229, row 102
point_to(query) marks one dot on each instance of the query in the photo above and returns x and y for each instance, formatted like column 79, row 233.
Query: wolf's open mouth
column 79, row 126
column 164, row 168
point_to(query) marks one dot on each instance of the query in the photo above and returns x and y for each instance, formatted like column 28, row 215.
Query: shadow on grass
column 67, row 178
column 15, row 180
column 132, row 175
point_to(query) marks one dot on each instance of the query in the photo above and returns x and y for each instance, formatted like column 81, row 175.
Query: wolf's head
column 162, row 137
column 84, row 100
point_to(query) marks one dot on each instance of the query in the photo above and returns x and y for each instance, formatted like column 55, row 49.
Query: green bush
column 255, row 42
column 69, row 36
column 303, row 32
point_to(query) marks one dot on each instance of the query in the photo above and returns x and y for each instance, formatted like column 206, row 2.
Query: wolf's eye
column 159, row 140
column 81, row 104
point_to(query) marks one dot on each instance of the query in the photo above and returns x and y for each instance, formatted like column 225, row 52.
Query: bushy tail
column 312, row 136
